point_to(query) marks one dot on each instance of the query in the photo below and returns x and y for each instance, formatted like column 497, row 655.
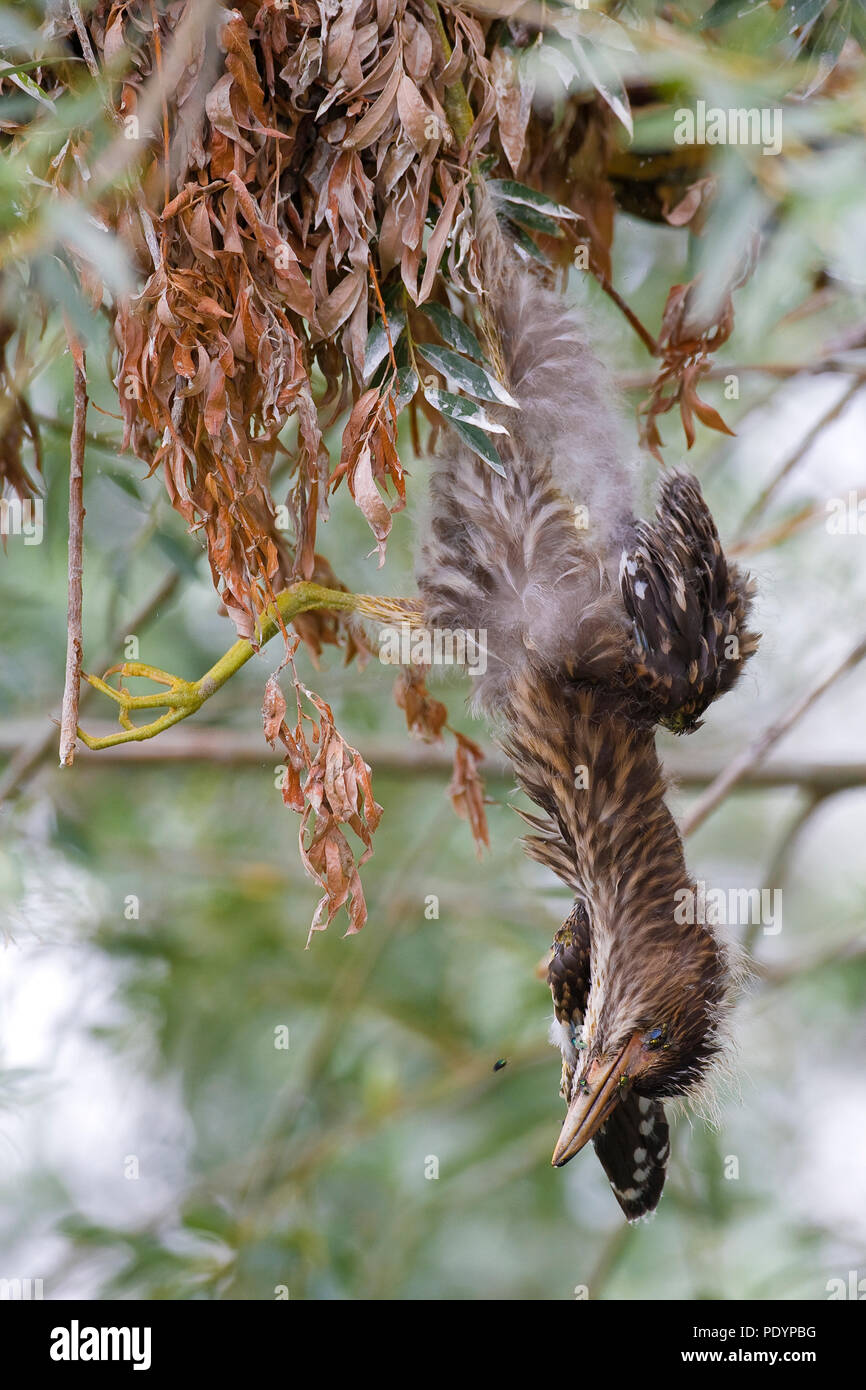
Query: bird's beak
column 601, row 1088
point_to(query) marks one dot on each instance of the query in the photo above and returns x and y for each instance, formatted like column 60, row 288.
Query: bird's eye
column 656, row 1037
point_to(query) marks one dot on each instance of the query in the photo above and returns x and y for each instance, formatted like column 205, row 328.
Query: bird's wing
column 633, row 1148
column 549, row 847
column 689, row 608
column 568, row 973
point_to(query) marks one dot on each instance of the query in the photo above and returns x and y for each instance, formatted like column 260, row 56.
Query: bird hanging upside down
column 598, row 629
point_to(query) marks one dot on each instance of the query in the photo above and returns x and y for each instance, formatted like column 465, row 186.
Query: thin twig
column 780, row 531
column 94, row 440
column 457, row 106
column 787, row 527
column 380, row 301
column 760, row 747
column 609, row 1257
column 718, row 371
column 773, row 976
column 69, row 708
column 642, row 332
column 772, row 486
column 781, row 857
column 84, row 38
column 157, row 48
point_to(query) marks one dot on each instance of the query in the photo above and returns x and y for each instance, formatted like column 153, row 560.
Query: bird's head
column 652, row 1025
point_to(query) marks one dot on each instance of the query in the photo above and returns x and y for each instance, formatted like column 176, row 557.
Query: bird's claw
column 179, row 699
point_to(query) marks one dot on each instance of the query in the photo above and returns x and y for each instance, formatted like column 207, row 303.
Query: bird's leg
column 182, row 698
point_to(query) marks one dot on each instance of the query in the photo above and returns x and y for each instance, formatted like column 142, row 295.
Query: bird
column 599, row 627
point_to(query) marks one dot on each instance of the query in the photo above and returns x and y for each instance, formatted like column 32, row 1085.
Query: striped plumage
column 688, row 607
column 633, row 1145
column 598, row 629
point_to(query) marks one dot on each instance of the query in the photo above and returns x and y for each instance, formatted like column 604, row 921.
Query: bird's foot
column 180, row 699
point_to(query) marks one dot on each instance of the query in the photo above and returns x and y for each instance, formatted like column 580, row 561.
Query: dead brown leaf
column 466, row 789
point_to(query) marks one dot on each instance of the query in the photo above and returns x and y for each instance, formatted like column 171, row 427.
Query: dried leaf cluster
column 301, row 184
column 328, row 783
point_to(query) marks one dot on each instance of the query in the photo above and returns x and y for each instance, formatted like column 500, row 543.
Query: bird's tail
column 532, row 558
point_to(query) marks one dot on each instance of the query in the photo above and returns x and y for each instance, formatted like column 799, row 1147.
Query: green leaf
column 178, row 551
column 480, row 444
column 453, row 329
column 527, row 243
column 828, row 40
column 27, row 84
column 124, row 481
column 562, row 64
column 723, row 11
column 603, row 76
column 834, row 30
column 601, row 29
column 858, row 27
column 404, row 387
column 376, row 346
column 211, row 1219
column 103, row 249
column 459, row 408
column 466, row 376
column 799, row 12
column 9, row 69
column 533, row 219
column 507, row 191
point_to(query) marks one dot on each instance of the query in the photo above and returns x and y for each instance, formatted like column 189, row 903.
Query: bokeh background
column 154, row 1142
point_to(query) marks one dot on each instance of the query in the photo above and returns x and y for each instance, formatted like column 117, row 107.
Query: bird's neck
column 626, row 845
column 610, row 836
column 598, row 777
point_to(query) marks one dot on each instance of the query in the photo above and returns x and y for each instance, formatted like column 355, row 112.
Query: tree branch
column 69, row 708
column 225, row 746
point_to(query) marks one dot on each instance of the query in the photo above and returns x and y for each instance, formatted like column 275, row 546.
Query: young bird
column 598, row 628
